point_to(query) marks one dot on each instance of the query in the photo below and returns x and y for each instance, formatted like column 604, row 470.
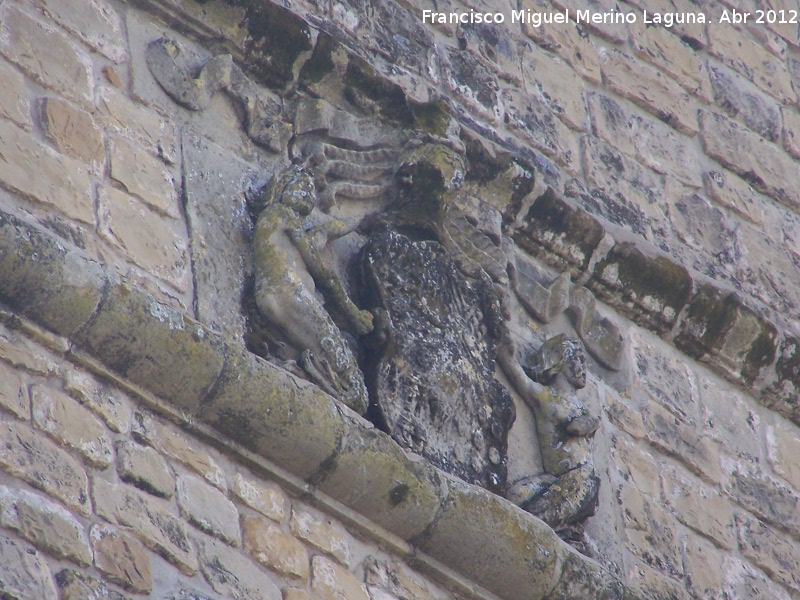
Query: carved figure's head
column 299, row 193
column 559, row 354
column 575, row 362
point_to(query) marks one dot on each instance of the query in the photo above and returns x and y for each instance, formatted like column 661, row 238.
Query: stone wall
column 670, row 159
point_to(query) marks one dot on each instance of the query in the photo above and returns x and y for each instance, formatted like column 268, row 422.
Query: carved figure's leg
column 568, row 500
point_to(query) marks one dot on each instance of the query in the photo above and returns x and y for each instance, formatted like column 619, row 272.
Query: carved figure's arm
column 328, row 282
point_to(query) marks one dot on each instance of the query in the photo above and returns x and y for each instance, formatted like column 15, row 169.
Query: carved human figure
column 290, row 275
column 567, row 491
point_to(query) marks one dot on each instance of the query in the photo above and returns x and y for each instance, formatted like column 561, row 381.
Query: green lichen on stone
column 433, row 117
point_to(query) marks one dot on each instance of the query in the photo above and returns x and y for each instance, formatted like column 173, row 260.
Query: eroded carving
column 290, row 273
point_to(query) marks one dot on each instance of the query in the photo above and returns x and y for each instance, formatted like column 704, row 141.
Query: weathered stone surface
column 143, row 176
column 652, row 290
column 728, row 190
column 649, row 89
column 436, row 392
column 700, row 507
column 511, row 540
column 297, row 594
column 232, row 575
column 14, row 103
column 654, row 585
column 121, row 558
column 47, row 525
column 669, row 54
column 208, row 509
column 738, row 99
column 154, row 346
column 376, row 478
column 667, row 432
column 13, row 393
column 25, row 573
column 614, row 32
column 332, row 582
column 581, row 578
column 37, row 172
column 109, row 403
column 25, row 356
column 736, row 340
column 558, row 86
column 741, row 580
column 567, row 41
column 267, row 499
column 728, row 418
column 791, row 130
column 31, row 457
column 79, row 586
column 150, row 518
column 559, row 233
column 274, row 548
column 322, row 534
column 397, row 578
column 138, row 124
column 765, row 166
column 623, row 190
column 96, row 23
column 625, row 417
column 636, row 466
column 783, row 394
column 652, row 533
column 145, row 468
column 783, row 445
column 475, row 85
column 751, row 60
column 652, row 142
column 73, row 132
column 769, row 550
column 704, row 568
column 155, row 243
column 177, row 446
column 220, row 230
column 764, row 496
column 69, row 423
column 271, row 412
column 46, row 54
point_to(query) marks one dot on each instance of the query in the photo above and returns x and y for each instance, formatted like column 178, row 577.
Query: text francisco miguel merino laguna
column 537, row 19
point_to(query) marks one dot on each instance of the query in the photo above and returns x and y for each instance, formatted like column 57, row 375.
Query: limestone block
column 322, row 534
column 38, row 172
column 652, row 583
column 783, row 445
column 35, row 459
column 96, row 23
column 735, row 339
column 768, row 549
column 145, row 468
column 614, row 32
column 178, row 447
column 651, row 290
column 25, row 572
column 625, row 417
column 274, row 548
column 136, row 123
column 649, row 140
column 650, row 89
column 791, row 130
column 739, row 99
column 565, row 40
column 693, row 34
column 63, row 535
column 397, row 578
column 143, row 176
column 232, row 575
column 208, row 509
column 73, row 132
column 763, row 495
column 475, row 84
column 13, row 393
column 652, row 533
column 109, row 403
column 46, row 54
column 764, row 165
column 558, row 85
column 665, row 431
column 636, row 466
column 584, row 579
column 729, row 418
column 79, row 586
column 751, row 60
column 121, row 558
column 729, row 191
column 700, row 507
column 150, row 518
column 66, row 421
column 14, row 102
column 330, row 581
column 296, row 594
column 155, row 243
column 560, row 234
column 267, row 499
column 782, row 394
column 154, row 345
column 669, row 54
column 742, row 580
column 704, row 567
